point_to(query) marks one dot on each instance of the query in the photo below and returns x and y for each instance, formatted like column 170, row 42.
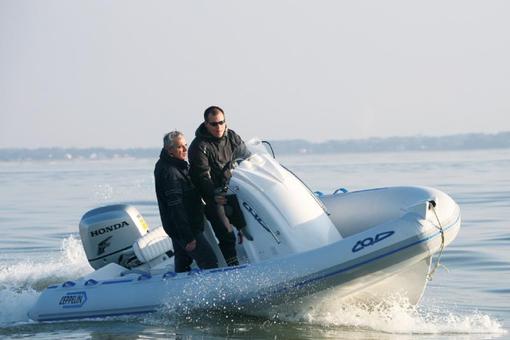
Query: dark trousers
column 202, row 254
column 226, row 239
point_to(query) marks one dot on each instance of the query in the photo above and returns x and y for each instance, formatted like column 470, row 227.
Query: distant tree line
column 471, row 141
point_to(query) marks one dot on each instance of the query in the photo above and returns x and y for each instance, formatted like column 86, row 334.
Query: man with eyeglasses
column 180, row 206
column 212, row 155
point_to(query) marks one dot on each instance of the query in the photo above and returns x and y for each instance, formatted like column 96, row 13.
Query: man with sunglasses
column 212, row 155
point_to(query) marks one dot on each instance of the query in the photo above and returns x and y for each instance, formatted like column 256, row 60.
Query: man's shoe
column 246, row 233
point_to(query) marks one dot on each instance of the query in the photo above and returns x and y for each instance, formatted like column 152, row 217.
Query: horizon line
column 270, row 140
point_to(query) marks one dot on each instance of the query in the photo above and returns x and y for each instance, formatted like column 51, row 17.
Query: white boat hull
column 352, row 266
column 363, row 244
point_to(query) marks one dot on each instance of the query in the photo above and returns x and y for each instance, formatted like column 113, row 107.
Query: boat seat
column 151, row 245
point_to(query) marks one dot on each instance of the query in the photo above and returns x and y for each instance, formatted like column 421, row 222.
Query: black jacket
column 212, row 158
column 180, row 206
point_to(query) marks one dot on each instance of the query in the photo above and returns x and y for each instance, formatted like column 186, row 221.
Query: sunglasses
column 221, row 122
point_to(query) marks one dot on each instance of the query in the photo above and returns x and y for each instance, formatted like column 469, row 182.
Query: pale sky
column 122, row 73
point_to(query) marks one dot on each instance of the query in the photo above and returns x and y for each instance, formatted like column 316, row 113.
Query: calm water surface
column 41, row 204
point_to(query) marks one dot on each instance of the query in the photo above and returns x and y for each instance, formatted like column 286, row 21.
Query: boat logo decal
column 73, row 300
column 256, row 216
column 370, row 241
column 108, row 229
column 101, row 246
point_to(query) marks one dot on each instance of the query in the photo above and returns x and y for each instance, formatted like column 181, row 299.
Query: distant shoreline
column 470, row 141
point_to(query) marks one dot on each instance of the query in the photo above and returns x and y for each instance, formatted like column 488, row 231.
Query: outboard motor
column 108, row 233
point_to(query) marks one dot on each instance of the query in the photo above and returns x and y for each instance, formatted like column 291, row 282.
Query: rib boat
column 297, row 249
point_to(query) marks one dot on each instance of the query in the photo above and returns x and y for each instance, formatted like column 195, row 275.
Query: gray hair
column 169, row 138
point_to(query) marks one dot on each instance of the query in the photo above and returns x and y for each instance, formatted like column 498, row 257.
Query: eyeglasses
column 221, row 122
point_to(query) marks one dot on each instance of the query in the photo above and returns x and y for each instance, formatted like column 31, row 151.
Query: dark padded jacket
column 212, row 158
column 180, row 205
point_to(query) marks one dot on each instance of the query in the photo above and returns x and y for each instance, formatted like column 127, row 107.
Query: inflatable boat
column 300, row 249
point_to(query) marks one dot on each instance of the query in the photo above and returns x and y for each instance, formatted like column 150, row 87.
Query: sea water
column 41, row 204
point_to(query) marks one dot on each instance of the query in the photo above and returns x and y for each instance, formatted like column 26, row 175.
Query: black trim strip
column 118, row 251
